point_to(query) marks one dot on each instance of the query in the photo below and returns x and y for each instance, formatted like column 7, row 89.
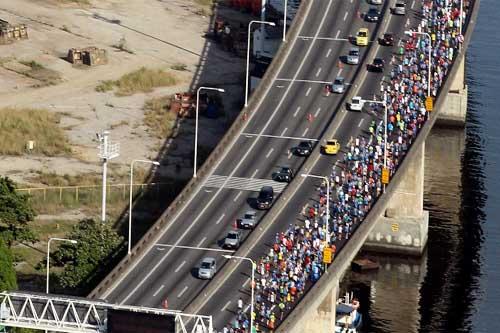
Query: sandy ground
column 160, row 33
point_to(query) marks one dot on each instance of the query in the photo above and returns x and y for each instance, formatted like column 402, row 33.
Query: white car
column 356, row 104
column 375, row 2
column 353, row 56
column 207, row 268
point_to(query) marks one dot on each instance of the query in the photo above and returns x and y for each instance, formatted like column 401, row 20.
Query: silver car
column 399, row 8
column 232, row 240
column 375, row 2
column 248, row 220
column 353, row 56
column 207, row 269
column 338, row 85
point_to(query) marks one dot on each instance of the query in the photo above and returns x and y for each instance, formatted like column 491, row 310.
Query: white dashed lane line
column 201, row 242
column 345, row 15
column 308, row 91
column 338, row 33
column 328, row 53
column 180, row 266
column 158, row 291
column 220, row 219
column 284, row 131
column 296, row 111
column 182, row 292
column 317, row 112
column 225, row 306
column 305, row 131
column 269, row 152
column 319, row 71
column 237, row 196
column 361, row 122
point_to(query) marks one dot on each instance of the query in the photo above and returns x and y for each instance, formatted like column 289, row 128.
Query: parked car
column 377, row 65
column 207, row 269
column 387, row 39
column 399, row 8
column 304, row 148
column 362, row 37
column 338, row 85
column 353, row 56
column 356, row 104
column 248, row 221
column 265, row 198
column 331, row 147
column 375, row 2
column 284, row 174
column 372, row 15
column 232, row 240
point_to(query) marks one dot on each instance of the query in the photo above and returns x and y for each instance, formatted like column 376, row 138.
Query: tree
column 8, row 279
column 15, row 213
column 97, row 243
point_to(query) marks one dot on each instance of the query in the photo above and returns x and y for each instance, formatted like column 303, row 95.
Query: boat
column 347, row 317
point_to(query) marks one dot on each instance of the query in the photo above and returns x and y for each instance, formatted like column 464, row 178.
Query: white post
column 461, row 15
column 284, row 20
column 104, row 174
column 248, row 54
column 48, row 256
column 130, row 199
column 327, row 202
column 196, row 125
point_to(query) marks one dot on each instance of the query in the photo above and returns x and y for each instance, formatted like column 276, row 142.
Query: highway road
column 169, row 273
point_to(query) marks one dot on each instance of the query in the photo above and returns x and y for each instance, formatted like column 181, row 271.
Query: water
column 455, row 287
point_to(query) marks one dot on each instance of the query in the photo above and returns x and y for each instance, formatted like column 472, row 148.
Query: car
column 331, row 147
column 338, row 85
column 362, row 37
column 232, row 240
column 304, row 148
column 387, row 39
column 285, row 174
column 265, row 198
column 399, row 8
column 375, row 2
column 372, row 15
column 377, row 65
column 248, row 221
column 353, row 56
column 356, row 103
column 207, row 269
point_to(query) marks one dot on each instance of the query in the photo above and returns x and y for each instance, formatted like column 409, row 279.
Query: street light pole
column 196, row 124
column 130, row 198
column 461, row 15
column 254, row 266
column 327, row 202
column 248, row 54
column 284, row 20
column 409, row 33
column 384, row 103
column 48, row 256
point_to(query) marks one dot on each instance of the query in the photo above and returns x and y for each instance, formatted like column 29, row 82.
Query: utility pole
column 107, row 151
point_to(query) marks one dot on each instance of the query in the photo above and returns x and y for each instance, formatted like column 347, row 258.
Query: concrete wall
column 455, row 110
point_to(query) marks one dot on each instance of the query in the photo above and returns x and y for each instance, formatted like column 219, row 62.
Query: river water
column 455, row 286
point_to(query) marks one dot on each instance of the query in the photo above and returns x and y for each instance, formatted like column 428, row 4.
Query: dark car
column 304, row 148
column 285, row 174
column 377, row 65
column 265, row 198
column 387, row 39
column 372, row 15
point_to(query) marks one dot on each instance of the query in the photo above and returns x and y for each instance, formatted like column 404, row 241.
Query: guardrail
column 222, row 148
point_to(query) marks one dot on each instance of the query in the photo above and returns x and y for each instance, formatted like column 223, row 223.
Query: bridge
column 290, row 105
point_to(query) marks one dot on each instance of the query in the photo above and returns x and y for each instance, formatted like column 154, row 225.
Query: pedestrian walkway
column 243, row 184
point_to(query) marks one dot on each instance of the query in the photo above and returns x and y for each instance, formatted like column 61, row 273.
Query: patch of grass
column 179, row 67
column 105, row 86
column 41, row 73
column 204, row 2
column 78, row 2
column 32, row 64
column 158, row 117
column 20, row 125
column 119, row 124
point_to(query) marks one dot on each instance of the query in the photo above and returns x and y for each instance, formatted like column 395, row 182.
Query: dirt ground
column 159, row 34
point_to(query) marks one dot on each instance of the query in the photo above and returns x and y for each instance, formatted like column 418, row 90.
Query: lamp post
column 327, row 202
column 254, row 265
column 461, row 15
column 410, row 33
column 130, row 198
column 284, row 20
column 48, row 255
column 248, row 54
column 196, row 125
column 384, row 103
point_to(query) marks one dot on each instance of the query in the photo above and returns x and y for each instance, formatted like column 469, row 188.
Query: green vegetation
column 179, row 67
column 18, row 126
column 142, row 80
column 159, row 118
column 32, row 64
column 81, row 262
column 15, row 214
column 78, row 2
column 38, row 72
column 8, row 280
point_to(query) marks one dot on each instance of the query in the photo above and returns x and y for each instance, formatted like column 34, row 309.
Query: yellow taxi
column 362, row 37
column 331, row 147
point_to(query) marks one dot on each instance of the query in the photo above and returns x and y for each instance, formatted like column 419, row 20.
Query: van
column 399, row 8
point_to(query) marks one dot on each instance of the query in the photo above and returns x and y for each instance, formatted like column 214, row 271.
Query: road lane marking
column 306, row 81
column 328, row 53
column 361, row 121
column 337, row 35
column 319, row 71
column 246, row 282
column 290, row 155
column 308, row 91
column 201, row 242
column 305, row 131
column 180, row 266
column 220, row 219
column 269, row 152
column 182, row 292
column 296, row 111
column 254, row 173
column 280, row 137
column 284, row 131
column 345, row 15
column 225, row 306
column 158, row 291
column 340, row 72
column 407, row 22
column 412, row 4
column 317, row 112
column 237, row 196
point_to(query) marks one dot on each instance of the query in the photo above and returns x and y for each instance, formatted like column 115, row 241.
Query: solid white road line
column 254, row 173
column 220, row 219
column 158, row 291
column 360, row 122
column 328, row 53
column 246, row 282
column 317, row 112
column 308, row 91
column 296, row 111
column 237, row 196
column 345, row 15
column 337, row 35
column 278, row 137
column 319, row 71
column 201, row 242
column 269, row 152
column 284, row 131
column 306, row 81
column 305, row 131
column 225, row 306
column 182, row 292
column 180, row 266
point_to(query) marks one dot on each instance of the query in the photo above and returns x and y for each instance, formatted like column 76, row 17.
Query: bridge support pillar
column 454, row 110
column 404, row 226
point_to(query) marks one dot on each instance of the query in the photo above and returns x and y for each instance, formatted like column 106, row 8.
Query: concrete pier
column 404, row 226
column 455, row 110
